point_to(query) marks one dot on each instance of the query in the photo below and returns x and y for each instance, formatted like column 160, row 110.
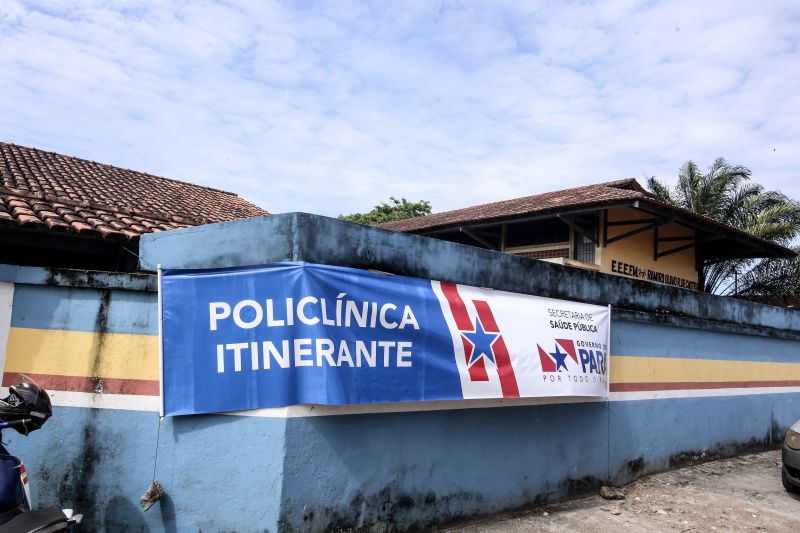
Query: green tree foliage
column 773, row 281
column 725, row 193
column 388, row 211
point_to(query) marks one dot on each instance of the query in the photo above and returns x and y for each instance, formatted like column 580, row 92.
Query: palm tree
column 724, row 193
column 773, row 281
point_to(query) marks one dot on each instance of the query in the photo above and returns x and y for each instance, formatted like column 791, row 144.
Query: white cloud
column 333, row 107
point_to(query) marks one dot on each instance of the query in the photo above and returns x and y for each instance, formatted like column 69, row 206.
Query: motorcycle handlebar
column 23, row 422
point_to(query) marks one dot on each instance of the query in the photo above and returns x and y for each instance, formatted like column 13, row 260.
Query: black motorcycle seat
column 40, row 520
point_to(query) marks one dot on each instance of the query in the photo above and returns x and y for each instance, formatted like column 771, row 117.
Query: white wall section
column 6, row 300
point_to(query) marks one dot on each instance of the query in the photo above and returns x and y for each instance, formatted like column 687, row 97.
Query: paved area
column 737, row 494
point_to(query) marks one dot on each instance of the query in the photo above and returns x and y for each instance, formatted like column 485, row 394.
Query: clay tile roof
column 54, row 192
column 599, row 193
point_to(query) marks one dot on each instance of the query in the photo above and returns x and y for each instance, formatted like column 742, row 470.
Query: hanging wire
column 134, row 254
column 158, row 438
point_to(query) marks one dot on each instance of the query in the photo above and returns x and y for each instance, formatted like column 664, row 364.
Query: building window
column 583, row 249
column 540, row 239
column 539, row 232
column 544, row 253
column 552, row 238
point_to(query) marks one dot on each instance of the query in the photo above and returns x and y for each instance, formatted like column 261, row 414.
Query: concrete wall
column 93, row 346
column 691, row 373
column 316, row 239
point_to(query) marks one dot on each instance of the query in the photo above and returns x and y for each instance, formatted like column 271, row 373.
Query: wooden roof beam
column 573, row 224
column 474, row 236
column 659, row 221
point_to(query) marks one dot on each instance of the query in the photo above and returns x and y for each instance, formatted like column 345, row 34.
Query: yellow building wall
column 633, row 256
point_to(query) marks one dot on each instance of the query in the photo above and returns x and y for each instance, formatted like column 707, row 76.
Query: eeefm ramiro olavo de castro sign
column 298, row 333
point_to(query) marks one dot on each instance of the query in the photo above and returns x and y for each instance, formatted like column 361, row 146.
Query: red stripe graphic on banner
column 548, row 365
column 569, row 346
column 477, row 372
column 457, row 306
column 508, row 381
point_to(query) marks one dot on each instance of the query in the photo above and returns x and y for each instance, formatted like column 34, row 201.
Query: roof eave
column 523, row 217
column 759, row 248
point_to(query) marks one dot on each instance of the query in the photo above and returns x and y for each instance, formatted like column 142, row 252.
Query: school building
column 615, row 227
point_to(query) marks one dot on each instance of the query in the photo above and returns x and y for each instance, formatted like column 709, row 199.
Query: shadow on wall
column 409, row 470
column 123, row 515
column 188, row 425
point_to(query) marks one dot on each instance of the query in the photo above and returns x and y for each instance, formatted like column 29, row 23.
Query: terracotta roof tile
column 56, row 223
column 27, row 219
column 62, row 193
column 106, row 231
column 588, row 196
column 556, row 200
column 82, row 227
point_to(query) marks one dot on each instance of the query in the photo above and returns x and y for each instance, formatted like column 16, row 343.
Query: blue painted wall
column 646, row 338
column 220, row 473
column 654, row 435
column 404, row 469
column 413, row 469
column 409, row 469
column 317, row 239
column 76, row 309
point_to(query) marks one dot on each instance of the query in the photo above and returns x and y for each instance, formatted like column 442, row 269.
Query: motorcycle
column 25, row 409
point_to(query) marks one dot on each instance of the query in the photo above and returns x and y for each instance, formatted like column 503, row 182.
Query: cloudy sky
column 332, row 107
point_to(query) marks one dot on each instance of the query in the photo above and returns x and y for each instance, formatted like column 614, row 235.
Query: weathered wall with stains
column 678, row 393
column 691, row 373
column 317, row 239
column 92, row 343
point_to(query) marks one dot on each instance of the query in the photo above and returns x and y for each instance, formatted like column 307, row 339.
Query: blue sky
column 332, row 107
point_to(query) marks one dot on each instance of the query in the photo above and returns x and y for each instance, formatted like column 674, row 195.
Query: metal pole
column 160, row 345
column 608, row 356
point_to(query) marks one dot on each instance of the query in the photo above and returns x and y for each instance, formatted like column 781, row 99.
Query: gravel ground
column 737, row 494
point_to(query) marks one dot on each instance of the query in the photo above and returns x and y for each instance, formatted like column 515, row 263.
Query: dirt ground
column 736, row 494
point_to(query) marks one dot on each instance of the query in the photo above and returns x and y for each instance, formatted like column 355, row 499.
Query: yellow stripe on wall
column 631, row 369
column 81, row 353
column 130, row 356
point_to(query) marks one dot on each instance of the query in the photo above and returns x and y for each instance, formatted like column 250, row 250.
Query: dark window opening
column 538, row 232
column 583, row 248
column 38, row 248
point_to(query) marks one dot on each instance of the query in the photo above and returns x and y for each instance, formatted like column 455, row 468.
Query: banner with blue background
column 296, row 333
